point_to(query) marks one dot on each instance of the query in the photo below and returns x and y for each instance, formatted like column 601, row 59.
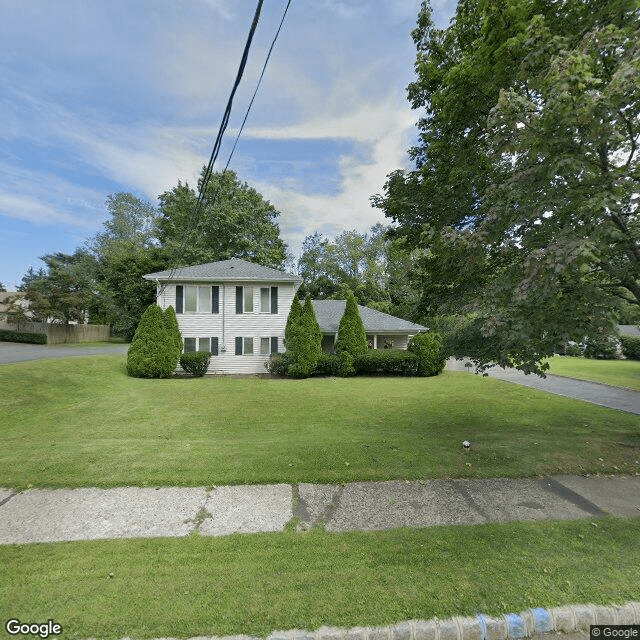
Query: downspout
column 224, row 344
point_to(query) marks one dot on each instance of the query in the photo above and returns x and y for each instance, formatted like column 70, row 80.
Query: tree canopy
column 523, row 201
column 353, row 261
column 103, row 279
column 234, row 221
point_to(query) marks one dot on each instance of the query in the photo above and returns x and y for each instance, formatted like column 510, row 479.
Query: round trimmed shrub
column 278, row 364
column 328, row 365
column 151, row 353
column 195, row 362
column 604, row 347
column 428, row 349
column 630, row 347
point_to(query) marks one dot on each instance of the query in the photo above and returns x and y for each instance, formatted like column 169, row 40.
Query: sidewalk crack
column 3, row 502
column 458, row 485
column 557, row 488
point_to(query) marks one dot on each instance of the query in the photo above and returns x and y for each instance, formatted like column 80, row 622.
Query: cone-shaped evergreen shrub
column 293, row 318
column 152, row 354
column 428, row 348
column 313, row 328
column 352, row 337
column 303, row 339
column 171, row 322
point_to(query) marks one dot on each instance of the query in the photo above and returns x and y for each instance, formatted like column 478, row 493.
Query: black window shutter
column 179, row 298
column 274, row 344
column 239, row 345
column 274, row 299
column 214, row 346
column 215, row 300
column 239, row 299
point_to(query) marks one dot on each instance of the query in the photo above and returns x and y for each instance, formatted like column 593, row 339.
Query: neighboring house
column 238, row 310
column 12, row 300
column 628, row 330
column 383, row 331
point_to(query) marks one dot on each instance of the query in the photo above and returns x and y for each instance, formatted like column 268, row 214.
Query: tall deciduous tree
column 125, row 250
column 63, row 292
column 234, row 221
column 524, row 198
column 354, row 261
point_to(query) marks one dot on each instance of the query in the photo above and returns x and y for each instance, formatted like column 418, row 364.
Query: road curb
column 531, row 623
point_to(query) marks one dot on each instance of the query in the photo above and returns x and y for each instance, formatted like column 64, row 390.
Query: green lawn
column 619, row 373
column 83, row 422
column 255, row 584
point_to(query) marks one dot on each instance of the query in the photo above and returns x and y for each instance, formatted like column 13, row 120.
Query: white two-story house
column 235, row 309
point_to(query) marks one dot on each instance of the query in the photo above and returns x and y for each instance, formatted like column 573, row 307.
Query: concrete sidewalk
column 49, row 515
column 603, row 395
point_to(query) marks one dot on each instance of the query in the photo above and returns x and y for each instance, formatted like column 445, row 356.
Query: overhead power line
column 225, row 120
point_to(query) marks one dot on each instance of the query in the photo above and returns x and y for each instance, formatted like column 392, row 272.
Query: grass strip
column 83, row 422
column 619, row 373
column 255, row 584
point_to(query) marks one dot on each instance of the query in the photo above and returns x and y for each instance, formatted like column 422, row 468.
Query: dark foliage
column 152, row 353
column 23, row 336
column 195, row 362
column 630, row 347
column 427, row 347
column 387, row 362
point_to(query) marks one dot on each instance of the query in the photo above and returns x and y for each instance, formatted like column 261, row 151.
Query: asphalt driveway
column 595, row 392
column 19, row 352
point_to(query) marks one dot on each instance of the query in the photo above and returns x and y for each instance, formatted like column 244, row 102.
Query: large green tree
column 353, row 261
column 232, row 221
column 523, row 200
column 63, row 292
column 125, row 250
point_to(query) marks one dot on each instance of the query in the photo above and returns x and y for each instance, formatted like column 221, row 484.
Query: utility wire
column 225, row 120
column 218, row 142
column 264, row 68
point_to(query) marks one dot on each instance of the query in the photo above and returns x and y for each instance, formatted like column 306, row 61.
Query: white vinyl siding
column 227, row 325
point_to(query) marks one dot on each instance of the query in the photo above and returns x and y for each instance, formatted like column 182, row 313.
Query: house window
column 197, row 299
column 269, row 299
column 244, row 346
column 201, row 344
column 265, row 299
column 244, row 299
column 268, row 345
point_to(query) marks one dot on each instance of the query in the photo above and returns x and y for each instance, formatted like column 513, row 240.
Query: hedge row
column 374, row 362
column 23, row 336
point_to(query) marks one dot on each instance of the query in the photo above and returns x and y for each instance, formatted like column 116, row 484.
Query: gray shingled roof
column 234, row 269
column 329, row 313
column 628, row 330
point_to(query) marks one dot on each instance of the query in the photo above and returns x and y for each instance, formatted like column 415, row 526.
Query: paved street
column 19, row 352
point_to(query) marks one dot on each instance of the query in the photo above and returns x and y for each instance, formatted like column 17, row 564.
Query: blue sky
column 99, row 97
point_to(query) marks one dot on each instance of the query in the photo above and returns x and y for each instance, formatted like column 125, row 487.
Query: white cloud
column 35, row 210
column 385, row 129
